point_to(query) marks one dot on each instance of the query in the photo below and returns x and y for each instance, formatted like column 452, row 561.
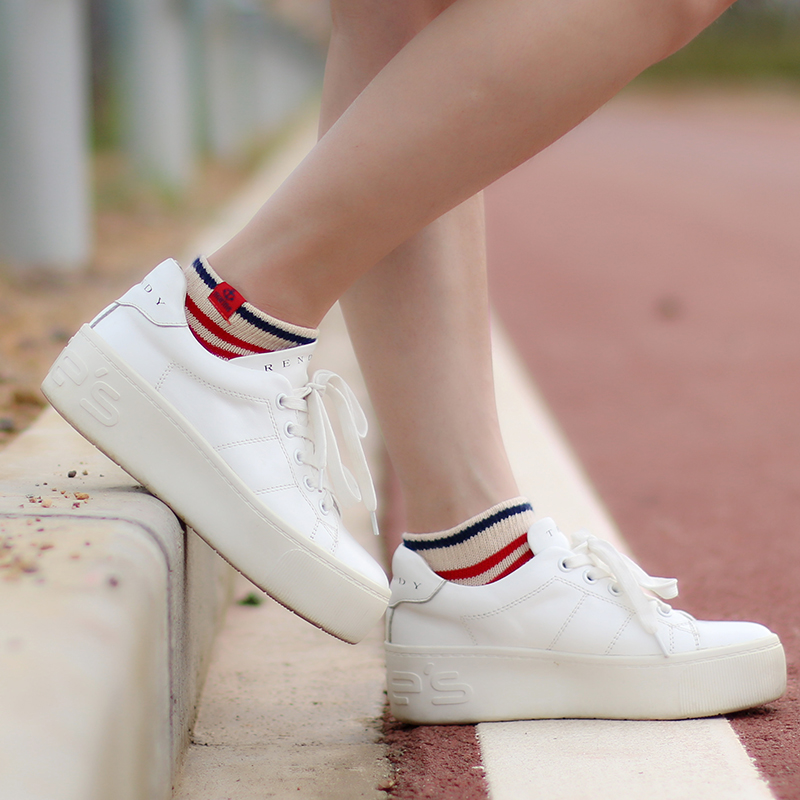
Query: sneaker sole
column 483, row 684
column 123, row 416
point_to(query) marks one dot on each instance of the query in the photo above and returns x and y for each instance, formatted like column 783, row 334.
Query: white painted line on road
column 573, row 759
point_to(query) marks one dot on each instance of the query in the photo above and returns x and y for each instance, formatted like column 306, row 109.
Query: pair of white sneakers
column 244, row 451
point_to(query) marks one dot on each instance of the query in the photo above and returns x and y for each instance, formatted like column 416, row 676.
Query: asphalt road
column 647, row 267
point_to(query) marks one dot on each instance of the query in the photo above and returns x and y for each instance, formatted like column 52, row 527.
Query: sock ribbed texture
column 227, row 325
column 482, row 549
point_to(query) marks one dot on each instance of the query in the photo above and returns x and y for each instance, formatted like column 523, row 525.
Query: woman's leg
column 571, row 633
column 420, row 318
column 481, row 89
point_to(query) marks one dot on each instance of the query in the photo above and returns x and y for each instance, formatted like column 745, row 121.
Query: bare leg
column 419, row 320
column 481, row 89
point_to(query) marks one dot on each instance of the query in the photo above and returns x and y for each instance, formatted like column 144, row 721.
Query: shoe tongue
column 544, row 534
column 291, row 363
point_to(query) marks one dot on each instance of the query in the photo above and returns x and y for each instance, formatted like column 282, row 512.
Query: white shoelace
column 323, row 454
column 631, row 580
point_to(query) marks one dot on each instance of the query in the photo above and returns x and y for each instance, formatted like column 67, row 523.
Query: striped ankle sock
column 482, row 549
column 227, row 325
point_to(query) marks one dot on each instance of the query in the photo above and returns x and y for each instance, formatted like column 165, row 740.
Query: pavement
column 665, row 353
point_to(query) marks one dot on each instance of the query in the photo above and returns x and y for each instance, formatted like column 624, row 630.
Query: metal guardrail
column 187, row 77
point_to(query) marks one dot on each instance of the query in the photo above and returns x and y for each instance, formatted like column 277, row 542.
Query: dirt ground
column 135, row 228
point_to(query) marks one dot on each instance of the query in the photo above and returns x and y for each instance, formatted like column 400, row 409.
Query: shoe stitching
column 164, row 375
column 469, row 631
column 567, row 621
column 467, row 618
column 524, row 598
column 269, row 489
column 690, row 628
column 222, row 390
column 311, row 508
column 584, row 593
column 618, row 634
column 242, row 442
column 293, row 539
column 687, row 628
column 549, row 581
column 334, row 532
column 604, row 599
column 510, row 605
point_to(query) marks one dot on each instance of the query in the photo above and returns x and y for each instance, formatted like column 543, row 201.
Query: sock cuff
column 483, row 549
column 497, row 518
column 219, row 306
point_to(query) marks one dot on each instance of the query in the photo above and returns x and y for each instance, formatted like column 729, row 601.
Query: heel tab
column 544, row 534
column 160, row 296
column 413, row 581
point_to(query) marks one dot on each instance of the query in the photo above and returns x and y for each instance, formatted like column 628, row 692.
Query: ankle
column 276, row 286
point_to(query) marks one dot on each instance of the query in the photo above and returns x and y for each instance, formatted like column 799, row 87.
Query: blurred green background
column 754, row 42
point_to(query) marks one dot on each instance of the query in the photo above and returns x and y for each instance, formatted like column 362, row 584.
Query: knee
column 687, row 18
column 402, row 20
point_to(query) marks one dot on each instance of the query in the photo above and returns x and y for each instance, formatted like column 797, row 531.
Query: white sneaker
column 571, row 633
column 242, row 450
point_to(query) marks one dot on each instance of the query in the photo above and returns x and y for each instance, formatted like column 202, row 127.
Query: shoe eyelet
column 563, row 566
column 665, row 612
column 588, row 578
column 298, row 458
column 308, row 484
column 614, row 589
column 279, row 400
column 324, row 508
column 287, row 429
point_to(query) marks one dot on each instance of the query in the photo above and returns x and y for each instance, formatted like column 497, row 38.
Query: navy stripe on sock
column 197, row 264
column 251, row 318
column 263, row 325
column 469, row 531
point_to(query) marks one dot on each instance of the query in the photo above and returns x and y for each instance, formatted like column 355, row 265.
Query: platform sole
column 481, row 684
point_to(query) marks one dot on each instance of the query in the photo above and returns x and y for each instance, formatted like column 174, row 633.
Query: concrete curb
column 108, row 613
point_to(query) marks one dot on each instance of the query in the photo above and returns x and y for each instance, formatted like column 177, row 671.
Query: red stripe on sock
column 486, row 564
column 211, row 347
column 523, row 559
column 220, row 333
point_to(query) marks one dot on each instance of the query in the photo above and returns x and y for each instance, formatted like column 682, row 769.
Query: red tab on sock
column 226, row 300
